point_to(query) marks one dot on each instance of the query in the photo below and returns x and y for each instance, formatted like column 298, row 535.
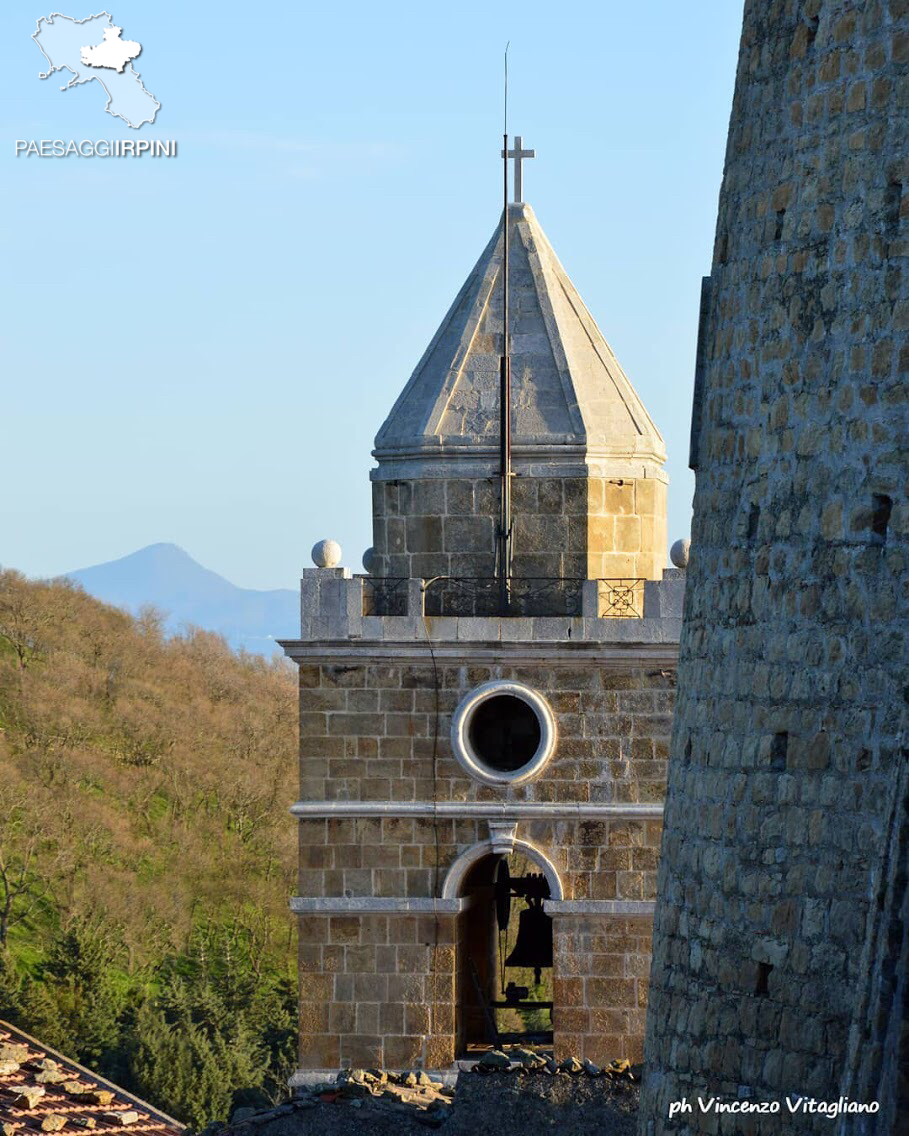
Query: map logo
column 93, row 50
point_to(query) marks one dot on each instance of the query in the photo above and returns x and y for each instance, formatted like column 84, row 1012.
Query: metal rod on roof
column 503, row 542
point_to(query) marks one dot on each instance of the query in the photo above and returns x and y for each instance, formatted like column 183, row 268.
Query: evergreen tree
column 10, row 988
column 80, row 974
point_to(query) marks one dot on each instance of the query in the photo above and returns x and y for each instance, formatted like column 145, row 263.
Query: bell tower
column 482, row 782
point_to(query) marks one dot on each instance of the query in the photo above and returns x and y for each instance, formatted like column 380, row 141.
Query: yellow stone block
column 654, row 530
column 661, row 538
column 649, row 536
column 645, row 495
column 618, row 496
column 619, row 566
column 601, row 534
column 627, row 534
column 651, row 497
column 440, row 1052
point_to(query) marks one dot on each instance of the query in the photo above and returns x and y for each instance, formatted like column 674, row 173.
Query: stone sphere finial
column 370, row 561
column 680, row 552
column 326, row 554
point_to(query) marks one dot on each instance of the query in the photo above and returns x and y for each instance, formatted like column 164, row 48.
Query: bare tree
column 26, row 616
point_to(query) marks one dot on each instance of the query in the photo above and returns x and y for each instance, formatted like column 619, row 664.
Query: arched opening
column 504, row 953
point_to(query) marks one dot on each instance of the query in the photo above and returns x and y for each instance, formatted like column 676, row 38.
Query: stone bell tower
column 445, row 738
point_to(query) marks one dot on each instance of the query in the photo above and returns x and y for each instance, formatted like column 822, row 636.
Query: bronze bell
column 533, row 947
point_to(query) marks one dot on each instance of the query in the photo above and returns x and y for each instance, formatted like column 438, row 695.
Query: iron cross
column 519, row 155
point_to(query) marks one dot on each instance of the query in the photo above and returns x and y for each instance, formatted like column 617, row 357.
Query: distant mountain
column 168, row 578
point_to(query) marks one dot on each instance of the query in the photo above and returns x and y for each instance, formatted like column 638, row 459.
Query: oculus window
column 503, row 733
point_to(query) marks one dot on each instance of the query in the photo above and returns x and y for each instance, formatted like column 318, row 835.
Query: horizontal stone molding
column 383, row 905
column 373, row 905
column 599, row 906
column 516, row 647
column 478, row 810
column 546, row 456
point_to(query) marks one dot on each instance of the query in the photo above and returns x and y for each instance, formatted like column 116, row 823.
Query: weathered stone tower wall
column 449, row 728
column 391, row 823
column 775, row 875
column 583, row 528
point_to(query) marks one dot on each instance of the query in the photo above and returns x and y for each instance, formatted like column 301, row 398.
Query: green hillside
column 146, row 850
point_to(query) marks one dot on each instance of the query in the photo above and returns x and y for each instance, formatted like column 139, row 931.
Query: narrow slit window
column 881, row 508
column 761, row 986
column 779, row 748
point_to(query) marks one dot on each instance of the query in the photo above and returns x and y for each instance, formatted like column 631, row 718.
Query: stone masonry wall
column 792, row 707
column 377, row 991
column 576, row 527
column 369, row 732
column 601, row 971
column 877, row 1067
column 381, row 990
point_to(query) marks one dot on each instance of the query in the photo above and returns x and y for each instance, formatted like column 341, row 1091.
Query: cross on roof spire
column 519, row 155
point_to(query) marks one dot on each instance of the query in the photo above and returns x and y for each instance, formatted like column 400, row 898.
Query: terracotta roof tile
column 42, row 1091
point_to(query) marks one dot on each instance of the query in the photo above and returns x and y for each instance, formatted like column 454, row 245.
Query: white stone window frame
column 472, row 763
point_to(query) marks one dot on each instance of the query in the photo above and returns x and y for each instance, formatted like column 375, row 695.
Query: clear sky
column 201, row 349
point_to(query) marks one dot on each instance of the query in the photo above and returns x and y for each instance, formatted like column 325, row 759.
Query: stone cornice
column 477, row 461
column 373, row 905
column 478, row 810
column 566, row 652
column 382, row 905
column 626, row 907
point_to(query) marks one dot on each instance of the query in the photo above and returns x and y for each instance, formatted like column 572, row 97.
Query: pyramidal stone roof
column 573, row 408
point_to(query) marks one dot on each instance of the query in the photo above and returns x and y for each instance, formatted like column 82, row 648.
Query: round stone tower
column 781, row 946
column 589, row 488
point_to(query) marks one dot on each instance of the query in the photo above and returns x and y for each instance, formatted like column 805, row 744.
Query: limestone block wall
column 791, row 715
column 575, row 527
column 386, row 810
column 377, row 991
column 877, row 1064
column 396, row 856
column 370, row 731
column 602, row 970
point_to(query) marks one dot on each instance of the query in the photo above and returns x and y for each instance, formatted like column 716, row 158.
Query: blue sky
column 201, row 349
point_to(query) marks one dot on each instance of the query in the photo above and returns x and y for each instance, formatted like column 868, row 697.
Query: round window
column 503, row 733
